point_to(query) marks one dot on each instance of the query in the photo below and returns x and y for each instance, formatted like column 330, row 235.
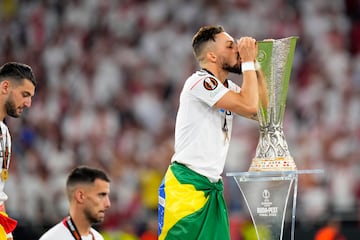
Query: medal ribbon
column 69, row 223
column 5, row 154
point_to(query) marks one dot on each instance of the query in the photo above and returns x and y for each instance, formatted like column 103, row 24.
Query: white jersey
column 5, row 143
column 61, row 232
column 200, row 141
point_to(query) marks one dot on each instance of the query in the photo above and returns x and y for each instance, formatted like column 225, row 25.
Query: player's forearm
column 250, row 91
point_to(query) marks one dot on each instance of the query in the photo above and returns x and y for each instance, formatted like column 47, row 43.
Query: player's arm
column 245, row 102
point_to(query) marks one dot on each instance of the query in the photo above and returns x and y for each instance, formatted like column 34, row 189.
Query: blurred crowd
column 110, row 73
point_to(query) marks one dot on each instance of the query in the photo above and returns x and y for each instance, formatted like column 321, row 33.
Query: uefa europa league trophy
column 275, row 58
column 273, row 176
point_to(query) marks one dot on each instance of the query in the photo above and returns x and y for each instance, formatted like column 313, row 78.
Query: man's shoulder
column 196, row 78
column 200, row 74
column 58, row 231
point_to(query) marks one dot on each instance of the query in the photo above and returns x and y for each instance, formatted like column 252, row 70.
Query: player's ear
column 79, row 195
column 211, row 56
column 4, row 85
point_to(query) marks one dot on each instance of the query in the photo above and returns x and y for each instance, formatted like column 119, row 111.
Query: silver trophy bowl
column 275, row 58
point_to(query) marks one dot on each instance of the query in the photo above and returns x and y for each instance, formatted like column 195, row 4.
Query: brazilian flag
column 191, row 207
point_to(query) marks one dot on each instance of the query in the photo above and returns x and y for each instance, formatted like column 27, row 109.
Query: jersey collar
column 226, row 84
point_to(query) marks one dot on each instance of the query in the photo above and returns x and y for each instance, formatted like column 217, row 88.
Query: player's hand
column 247, row 47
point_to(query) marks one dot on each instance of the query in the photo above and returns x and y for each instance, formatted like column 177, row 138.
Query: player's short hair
column 86, row 175
column 17, row 71
column 204, row 35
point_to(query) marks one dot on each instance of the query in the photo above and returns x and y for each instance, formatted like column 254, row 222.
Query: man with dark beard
column 17, row 87
column 88, row 193
column 191, row 201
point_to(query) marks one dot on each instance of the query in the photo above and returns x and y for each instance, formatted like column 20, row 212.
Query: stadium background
column 110, row 73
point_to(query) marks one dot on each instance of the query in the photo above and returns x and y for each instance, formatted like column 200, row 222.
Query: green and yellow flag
column 191, row 207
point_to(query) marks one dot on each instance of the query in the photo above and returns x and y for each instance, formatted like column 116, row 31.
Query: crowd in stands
column 110, row 73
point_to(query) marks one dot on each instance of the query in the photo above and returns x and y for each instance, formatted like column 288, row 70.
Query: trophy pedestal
column 267, row 196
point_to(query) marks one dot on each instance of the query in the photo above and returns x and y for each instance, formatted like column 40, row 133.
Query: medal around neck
column 4, row 175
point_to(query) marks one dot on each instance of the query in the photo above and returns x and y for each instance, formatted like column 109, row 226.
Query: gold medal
column 4, row 175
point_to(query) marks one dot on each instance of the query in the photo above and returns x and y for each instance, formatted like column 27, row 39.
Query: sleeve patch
column 210, row 83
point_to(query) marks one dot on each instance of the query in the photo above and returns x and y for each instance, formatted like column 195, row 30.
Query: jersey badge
column 210, row 83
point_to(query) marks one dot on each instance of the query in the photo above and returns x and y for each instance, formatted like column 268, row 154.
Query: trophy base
column 268, row 196
column 272, row 164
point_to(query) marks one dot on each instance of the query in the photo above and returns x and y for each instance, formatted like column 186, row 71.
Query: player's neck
column 81, row 223
column 218, row 73
column 2, row 116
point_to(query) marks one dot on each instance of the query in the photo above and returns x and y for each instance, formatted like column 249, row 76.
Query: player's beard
column 11, row 107
column 233, row 69
column 91, row 217
column 236, row 68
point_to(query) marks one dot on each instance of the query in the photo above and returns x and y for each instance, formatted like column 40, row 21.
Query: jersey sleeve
column 208, row 89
